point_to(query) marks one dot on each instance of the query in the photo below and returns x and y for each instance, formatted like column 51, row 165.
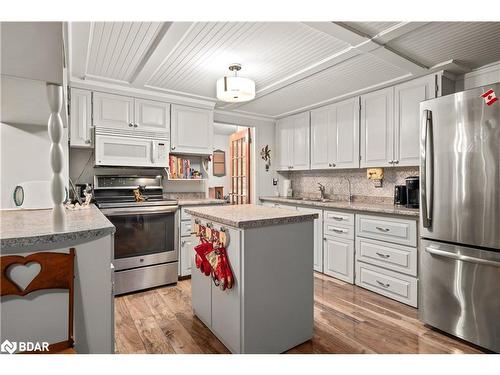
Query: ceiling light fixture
column 234, row 89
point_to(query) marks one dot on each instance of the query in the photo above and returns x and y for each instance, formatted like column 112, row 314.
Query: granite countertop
column 249, row 215
column 372, row 207
column 200, row 201
column 24, row 228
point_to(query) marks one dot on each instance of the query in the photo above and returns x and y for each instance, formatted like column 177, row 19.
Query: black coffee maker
column 412, row 192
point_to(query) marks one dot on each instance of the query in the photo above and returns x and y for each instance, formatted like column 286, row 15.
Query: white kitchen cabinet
column 113, row 111
column 186, row 255
column 284, row 144
column 339, row 258
column 152, row 115
column 377, row 128
column 271, row 270
column 301, row 141
column 335, row 136
column 80, row 118
column 191, row 130
column 293, row 142
column 318, row 237
column 407, row 98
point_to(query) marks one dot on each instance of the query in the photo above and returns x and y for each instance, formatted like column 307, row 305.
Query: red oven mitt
column 201, row 257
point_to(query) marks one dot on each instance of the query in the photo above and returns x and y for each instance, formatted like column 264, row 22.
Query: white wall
column 24, row 155
column 483, row 76
column 263, row 131
column 221, row 142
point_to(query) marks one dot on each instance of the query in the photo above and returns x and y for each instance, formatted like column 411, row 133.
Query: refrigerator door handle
column 463, row 258
column 426, row 158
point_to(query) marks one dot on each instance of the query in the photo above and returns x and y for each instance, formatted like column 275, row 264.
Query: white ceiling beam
column 172, row 35
column 366, row 45
column 396, row 31
column 453, row 66
column 79, row 36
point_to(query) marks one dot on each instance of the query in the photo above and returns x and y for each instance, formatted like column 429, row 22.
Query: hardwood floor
column 347, row 319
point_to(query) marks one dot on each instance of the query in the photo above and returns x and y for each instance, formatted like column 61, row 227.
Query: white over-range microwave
column 146, row 149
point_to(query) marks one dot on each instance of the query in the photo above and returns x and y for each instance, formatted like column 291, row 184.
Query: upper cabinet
column 390, row 122
column 191, row 130
column 407, row 98
column 377, row 128
column 335, row 136
column 151, row 115
column 293, row 142
column 80, row 118
column 114, row 111
column 123, row 112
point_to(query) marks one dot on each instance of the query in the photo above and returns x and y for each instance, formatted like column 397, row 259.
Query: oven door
column 144, row 236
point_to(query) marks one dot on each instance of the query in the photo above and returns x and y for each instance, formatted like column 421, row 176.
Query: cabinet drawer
column 336, row 217
column 185, row 228
column 338, row 230
column 184, row 214
column 400, row 231
column 402, row 288
column 394, row 257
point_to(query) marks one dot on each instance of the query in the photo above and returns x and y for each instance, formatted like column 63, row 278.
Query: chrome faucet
column 322, row 190
column 349, row 189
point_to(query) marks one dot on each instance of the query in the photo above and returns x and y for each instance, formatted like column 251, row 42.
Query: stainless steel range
column 146, row 253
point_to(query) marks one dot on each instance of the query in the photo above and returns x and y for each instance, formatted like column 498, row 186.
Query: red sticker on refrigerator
column 489, row 97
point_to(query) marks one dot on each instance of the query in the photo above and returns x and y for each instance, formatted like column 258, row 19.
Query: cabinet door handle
column 130, row 124
column 391, row 161
column 383, row 284
column 172, row 148
column 338, row 218
column 395, row 161
column 135, row 125
column 383, row 229
column 338, row 230
column 87, row 141
column 334, row 165
column 383, row 255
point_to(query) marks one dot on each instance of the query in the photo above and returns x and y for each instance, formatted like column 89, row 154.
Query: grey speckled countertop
column 249, row 215
column 379, row 208
column 25, row 228
column 200, row 202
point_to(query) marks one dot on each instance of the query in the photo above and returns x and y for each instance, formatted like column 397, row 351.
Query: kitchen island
column 269, row 309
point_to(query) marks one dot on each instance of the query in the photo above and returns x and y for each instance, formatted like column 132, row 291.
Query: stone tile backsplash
column 305, row 183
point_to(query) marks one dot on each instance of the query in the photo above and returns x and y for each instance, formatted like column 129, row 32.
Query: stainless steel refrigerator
column 459, row 263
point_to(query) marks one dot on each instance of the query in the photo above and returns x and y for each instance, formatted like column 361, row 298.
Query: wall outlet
column 275, row 182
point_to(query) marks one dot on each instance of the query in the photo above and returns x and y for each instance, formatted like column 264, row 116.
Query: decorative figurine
column 265, row 153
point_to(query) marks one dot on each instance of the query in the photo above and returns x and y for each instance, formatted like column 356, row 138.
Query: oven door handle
column 138, row 211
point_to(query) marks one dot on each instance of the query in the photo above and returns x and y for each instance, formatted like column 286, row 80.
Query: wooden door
column 239, row 148
column 407, row 119
column 377, row 125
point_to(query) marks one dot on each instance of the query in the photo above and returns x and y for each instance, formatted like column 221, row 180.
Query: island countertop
column 372, row 207
column 249, row 215
column 25, row 228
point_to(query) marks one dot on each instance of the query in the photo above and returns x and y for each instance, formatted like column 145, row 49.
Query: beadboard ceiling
column 296, row 66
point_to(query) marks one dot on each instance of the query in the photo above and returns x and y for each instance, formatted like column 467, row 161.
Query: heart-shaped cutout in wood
column 23, row 274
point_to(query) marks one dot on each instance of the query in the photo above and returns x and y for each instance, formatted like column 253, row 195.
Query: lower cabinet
column 339, row 258
column 318, row 236
column 384, row 262
column 185, row 259
column 402, row 288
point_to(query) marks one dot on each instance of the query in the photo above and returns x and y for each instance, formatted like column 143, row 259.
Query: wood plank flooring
column 347, row 319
